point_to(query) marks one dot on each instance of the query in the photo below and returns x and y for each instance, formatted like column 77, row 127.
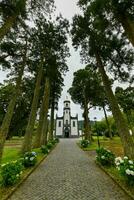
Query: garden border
column 25, row 177
column 106, row 172
column 112, row 177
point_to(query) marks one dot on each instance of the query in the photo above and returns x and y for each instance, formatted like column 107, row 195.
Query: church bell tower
column 66, row 119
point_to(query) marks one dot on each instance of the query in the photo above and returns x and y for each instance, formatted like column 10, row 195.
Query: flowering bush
column 44, row 149
column 126, row 168
column 49, row 145
column 84, row 143
column 30, row 159
column 105, row 157
column 11, row 172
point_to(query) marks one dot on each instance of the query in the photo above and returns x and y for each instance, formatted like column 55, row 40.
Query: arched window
column 73, row 123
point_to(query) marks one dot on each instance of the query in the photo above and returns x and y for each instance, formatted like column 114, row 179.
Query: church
column 67, row 126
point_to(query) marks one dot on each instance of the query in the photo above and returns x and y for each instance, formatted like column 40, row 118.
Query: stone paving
column 68, row 173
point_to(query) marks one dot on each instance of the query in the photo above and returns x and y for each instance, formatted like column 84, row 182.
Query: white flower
column 125, row 157
column 121, row 161
column 118, row 160
column 26, row 158
column 32, row 158
column 128, row 171
column 20, row 172
column 103, row 157
column 109, row 151
column 17, row 175
column 34, row 153
column 117, row 163
column 130, row 162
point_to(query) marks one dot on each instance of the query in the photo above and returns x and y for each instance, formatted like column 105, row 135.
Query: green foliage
column 30, row 159
column 126, row 168
column 57, row 140
column 105, row 157
column 11, row 172
column 22, row 108
column 44, row 149
column 85, row 86
column 85, row 143
column 125, row 99
column 49, row 145
column 101, row 128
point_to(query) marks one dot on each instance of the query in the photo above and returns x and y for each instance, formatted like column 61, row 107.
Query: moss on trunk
column 51, row 122
column 107, row 122
column 27, row 144
column 43, row 114
column 122, row 126
column 87, row 127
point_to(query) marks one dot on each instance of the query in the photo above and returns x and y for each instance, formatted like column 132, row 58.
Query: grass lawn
column 114, row 145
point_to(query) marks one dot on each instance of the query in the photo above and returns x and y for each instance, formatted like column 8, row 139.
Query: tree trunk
column 127, row 141
column 7, row 26
column 43, row 114
column 52, row 122
column 45, row 132
column 8, row 116
column 10, row 21
column 27, row 144
column 86, row 123
column 107, row 122
column 128, row 25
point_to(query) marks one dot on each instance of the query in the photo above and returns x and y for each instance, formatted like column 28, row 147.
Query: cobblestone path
column 68, row 173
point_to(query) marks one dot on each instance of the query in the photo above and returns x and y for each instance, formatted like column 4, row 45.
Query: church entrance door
column 66, row 134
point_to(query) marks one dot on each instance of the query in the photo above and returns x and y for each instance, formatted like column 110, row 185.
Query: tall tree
column 56, row 89
column 118, row 12
column 14, row 12
column 83, row 90
column 51, row 43
column 19, row 62
column 105, row 48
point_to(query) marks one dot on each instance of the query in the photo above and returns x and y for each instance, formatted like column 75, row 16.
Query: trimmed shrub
column 125, row 168
column 52, row 141
column 85, row 143
column 57, row 140
column 49, row 145
column 11, row 172
column 30, row 159
column 44, row 149
column 105, row 157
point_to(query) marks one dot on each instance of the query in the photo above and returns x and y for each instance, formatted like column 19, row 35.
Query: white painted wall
column 59, row 130
column 66, row 116
column 74, row 130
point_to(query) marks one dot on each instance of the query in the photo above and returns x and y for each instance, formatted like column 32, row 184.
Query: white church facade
column 67, row 126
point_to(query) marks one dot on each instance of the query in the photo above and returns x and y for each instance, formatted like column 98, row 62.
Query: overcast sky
column 68, row 9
